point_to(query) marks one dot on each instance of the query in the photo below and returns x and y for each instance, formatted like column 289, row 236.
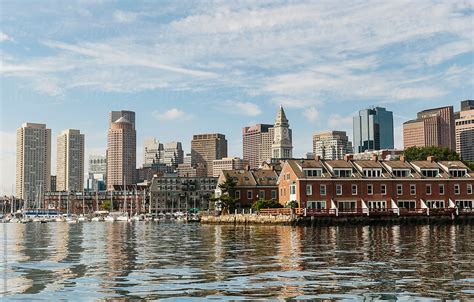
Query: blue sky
column 186, row 67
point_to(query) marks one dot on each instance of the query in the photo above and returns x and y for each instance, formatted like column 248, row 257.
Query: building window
column 406, row 204
column 412, row 189
column 292, row 189
column 372, row 172
column 316, row 205
column 370, row 189
column 458, row 173
column 261, row 194
column 274, row 194
column 343, row 172
column 249, row 194
column 312, row 172
column 338, row 189
column 354, row 189
column 322, row 189
column 430, row 172
column 441, row 189
column 383, row 189
column 401, row 172
column 309, row 190
column 469, row 189
column 457, row 190
column 428, row 189
column 237, row 194
column 399, row 190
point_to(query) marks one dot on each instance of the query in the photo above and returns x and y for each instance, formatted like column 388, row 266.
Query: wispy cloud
column 240, row 108
column 4, row 37
column 171, row 114
column 311, row 114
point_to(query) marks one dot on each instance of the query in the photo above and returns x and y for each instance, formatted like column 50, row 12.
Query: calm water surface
column 177, row 261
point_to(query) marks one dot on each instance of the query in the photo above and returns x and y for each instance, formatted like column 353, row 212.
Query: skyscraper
column 152, row 151
column 331, row 145
column 282, row 146
column 97, row 173
column 129, row 115
column 173, row 154
column 70, row 161
column 465, row 131
column 257, row 144
column 33, row 161
column 373, row 129
column 207, row 147
column 121, row 152
column 432, row 127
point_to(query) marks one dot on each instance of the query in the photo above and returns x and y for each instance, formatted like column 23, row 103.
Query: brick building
column 251, row 185
column 363, row 186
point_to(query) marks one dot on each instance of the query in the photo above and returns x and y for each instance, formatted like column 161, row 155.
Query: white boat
column 122, row 217
column 110, row 218
column 82, row 218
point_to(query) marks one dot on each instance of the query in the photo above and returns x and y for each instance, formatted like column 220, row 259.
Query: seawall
column 333, row 220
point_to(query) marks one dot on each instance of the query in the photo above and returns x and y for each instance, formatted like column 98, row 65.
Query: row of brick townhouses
column 251, row 185
column 363, row 186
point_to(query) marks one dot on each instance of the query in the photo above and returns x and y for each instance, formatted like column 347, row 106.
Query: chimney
column 375, row 157
column 403, row 158
column 430, row 158
column 317, row 157
column 347, row 157
column 247, row 167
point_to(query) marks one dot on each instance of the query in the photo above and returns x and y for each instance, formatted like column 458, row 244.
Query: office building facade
column 257, row 144
column 373, row 130
column 331, row 145
column 465, row 131
column 70, row 161
column 208, row 147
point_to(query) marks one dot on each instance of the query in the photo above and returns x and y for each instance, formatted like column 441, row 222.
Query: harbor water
column 178, row 261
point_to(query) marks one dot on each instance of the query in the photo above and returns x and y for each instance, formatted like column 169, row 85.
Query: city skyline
column 320, row 69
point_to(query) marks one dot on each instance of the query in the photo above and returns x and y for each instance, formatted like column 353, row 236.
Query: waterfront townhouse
column 376, row 187
column 250, row 185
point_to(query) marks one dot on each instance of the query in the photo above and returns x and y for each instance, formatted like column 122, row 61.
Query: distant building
column 70, row 161
column 228, row 163
column 181, row 193
column 97, row 173
column 146, row 173
column 152, row 151
column 373, row 130
column 257, row 144
column 173, row 154
column 331, row 145
column 384, row 154
column 207, row 147
column 33, row 161
column 190, row 170
column 187, row 159
column 121, row 153
column 310, row 155
column 53, row 183
column 432, row 127
column 465, row 131
column 282, row 146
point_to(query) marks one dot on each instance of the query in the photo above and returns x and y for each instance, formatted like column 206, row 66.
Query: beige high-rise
column 433, row 127
column 331, row 145
column 257, row 144
column 228, row 163
column 207, row 147
column 33, row 161
column 121, row 153
column 70, row 161
column 465, row 131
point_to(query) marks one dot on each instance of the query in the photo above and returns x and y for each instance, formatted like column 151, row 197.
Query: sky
column 188, row 67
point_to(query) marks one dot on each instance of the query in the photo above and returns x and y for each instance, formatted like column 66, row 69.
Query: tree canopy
column 266, row 204
column 227, row 197
column 421, row 153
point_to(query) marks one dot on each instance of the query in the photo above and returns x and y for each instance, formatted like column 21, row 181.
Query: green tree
column 292, row 204
column 227, row 197
column 266, row 204
column 106, row 205
column 421, row 153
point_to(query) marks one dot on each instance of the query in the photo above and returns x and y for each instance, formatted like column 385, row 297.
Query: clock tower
column 282, row 139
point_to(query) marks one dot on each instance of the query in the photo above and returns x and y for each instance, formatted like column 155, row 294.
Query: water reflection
column 173, row 260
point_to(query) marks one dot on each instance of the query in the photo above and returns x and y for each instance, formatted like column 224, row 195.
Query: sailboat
column 82, row 218
column 110, row 217
column 98, row 215
column 124, row 215
column 137, row 216
column 69, row 218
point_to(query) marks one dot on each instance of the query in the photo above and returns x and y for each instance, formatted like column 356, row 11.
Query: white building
column 331, row 145
column 228, row 163
column 282, row 146
column 153, row 151
column 70, row 161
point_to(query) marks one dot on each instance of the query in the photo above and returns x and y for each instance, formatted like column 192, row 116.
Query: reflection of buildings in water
column 13, row 239
column 290, row 259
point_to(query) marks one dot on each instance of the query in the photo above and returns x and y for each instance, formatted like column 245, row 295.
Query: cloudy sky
column 186, row 67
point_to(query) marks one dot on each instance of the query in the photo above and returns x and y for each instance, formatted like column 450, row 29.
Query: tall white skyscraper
column 70, row 161
column 152, row 151
column 33, row 161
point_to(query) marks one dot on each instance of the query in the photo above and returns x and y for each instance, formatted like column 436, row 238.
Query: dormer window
column 313, row 172
column 401, row 172
column 373, row 172
column 343, row 172
column 457, row 172
column 430, row 172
